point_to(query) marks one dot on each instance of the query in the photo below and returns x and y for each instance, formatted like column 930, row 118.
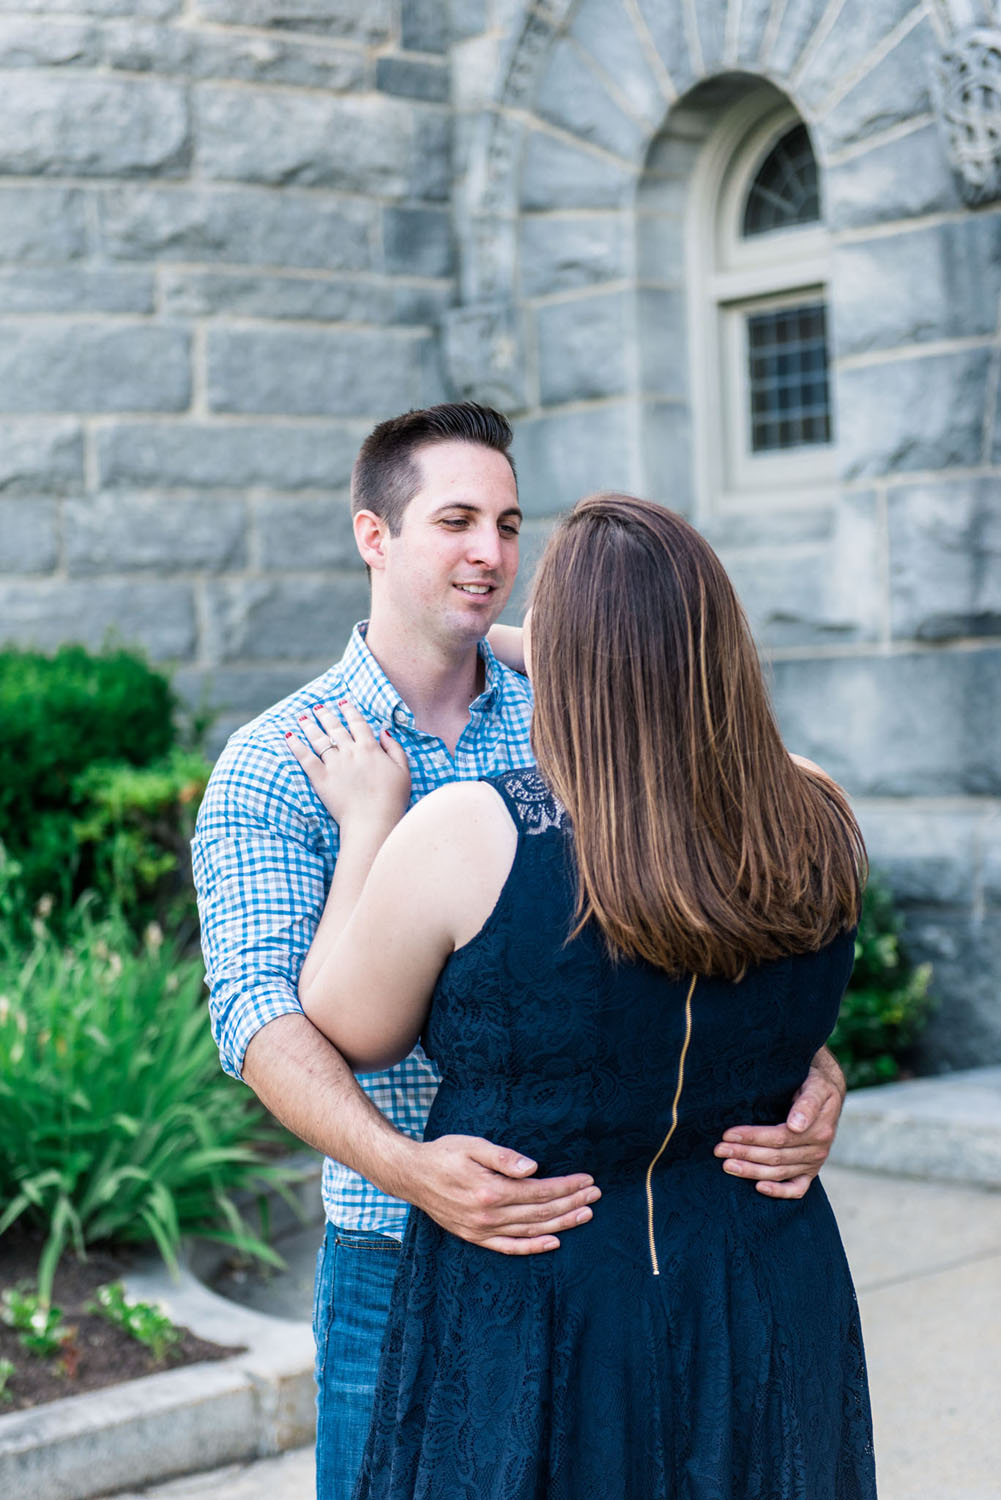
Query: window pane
column 785, row 191
column 787, row 377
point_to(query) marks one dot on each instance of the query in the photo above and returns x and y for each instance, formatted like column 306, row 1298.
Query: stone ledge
column 184, row 1421
column 942, row 1129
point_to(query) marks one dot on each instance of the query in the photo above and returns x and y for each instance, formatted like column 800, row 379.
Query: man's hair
column 699, row 844
column 386, row 476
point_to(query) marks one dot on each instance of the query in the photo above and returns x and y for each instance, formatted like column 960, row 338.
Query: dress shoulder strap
column 528, row 799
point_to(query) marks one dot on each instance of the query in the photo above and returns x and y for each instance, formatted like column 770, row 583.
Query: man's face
column 450, row 571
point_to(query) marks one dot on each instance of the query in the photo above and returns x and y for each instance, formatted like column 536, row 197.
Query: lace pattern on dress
column 537, row 808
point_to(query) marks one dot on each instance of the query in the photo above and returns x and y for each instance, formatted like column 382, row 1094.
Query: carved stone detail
column 485, row 327
column 484, row 354
column 967, row 81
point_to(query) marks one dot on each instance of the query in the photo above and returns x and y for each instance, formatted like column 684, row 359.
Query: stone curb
column 945, row 1129
column 256, row 1404
column 204, row 1416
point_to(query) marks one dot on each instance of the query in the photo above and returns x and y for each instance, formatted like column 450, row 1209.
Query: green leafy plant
column 887, row 1003
column 40, row 1325
column 140, row 1320
column 97, row 790
column 7, row 1370
column 116, row 1123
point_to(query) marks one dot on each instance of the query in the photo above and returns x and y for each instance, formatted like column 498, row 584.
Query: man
column 436, row 520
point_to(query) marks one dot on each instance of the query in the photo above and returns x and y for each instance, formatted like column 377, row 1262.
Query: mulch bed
column 99, row 1354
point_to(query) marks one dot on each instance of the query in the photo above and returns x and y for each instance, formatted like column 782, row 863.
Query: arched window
column 759, row 280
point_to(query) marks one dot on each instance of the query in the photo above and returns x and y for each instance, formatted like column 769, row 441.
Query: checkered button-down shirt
column 263, row 857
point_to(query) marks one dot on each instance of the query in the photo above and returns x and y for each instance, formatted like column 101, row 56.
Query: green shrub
column 116, row 1123
column 95, row 792
column 887, row 1003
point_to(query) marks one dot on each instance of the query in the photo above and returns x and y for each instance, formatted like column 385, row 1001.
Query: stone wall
column 233, row 236
column 225, row 248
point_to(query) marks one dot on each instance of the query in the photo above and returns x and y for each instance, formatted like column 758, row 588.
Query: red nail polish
column 316, row 706
column 303, row 718
column 288, row 734
column 342, row 701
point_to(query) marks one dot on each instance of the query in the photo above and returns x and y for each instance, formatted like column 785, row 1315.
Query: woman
column 611, row 959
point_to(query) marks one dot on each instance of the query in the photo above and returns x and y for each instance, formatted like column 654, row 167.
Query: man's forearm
column 307, row 1085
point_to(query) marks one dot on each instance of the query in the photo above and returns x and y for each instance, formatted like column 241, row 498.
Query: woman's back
column 668, row 1349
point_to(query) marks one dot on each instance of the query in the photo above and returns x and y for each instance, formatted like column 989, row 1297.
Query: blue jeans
column 355, row 1270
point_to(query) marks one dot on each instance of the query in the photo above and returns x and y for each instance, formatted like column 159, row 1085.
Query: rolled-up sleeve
column 261, row 860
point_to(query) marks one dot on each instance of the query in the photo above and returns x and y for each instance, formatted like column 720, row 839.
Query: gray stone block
column 900, row 179
column 240, row 693
column 860, row 27
column 413, row 78
column 559, row 254
column 119, row 533
column 156, row 10
column 572, row 97
column 895, row 90
column 751, row 28
column 769, row 526
column 927, row 854
column 604, row 28
column 467, row 17
column 568, row 454
column 29, row 540
column 555, row 175
column 159, row 617
column 666, row 450
column 274, row 455
column 300, row 618
column 74, row 290
column 92, row 367
column 990, row 855
column 296, row 533
column 660, row 246
column 430, row 167
column 40, row 44
column 583, row 348
column 361, row 144
column 942, row 282
column 245, row 226
column 662, row 328
column 711, row 23
column 47, row 225
column 800, row 19
column 418, row 241
column 925, row 724
column 135, row 47
column 665, row 22
column 965, row 954
column 945, row 560
column 424, row 25
column 309, row 372
column 315, row 299
column 369, row 23
column 132, row 128
column 43, row 457
column 420, row 305
column 811, row 595
column 912, row 414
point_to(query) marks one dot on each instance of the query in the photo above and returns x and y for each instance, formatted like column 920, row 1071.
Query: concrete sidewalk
column 927, row 1264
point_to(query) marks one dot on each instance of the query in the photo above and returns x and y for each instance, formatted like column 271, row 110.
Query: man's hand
column 486, row 1194
column 782, row 1160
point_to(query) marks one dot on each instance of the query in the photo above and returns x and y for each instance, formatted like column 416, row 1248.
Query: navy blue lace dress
column 696, row 1340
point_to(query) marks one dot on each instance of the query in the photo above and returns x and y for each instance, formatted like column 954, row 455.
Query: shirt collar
column 376, row 696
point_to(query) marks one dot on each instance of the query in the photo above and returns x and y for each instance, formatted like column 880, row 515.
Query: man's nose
column 485, row 546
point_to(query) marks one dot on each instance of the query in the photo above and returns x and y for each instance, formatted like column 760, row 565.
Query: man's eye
column 456, row 523
column 510, row 530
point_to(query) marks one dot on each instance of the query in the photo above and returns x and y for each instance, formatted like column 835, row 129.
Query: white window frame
column 730, row 277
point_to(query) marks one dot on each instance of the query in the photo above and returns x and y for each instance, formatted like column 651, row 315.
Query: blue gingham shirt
column 263, row 857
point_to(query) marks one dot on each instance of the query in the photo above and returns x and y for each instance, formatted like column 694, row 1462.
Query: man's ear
column 371, row 536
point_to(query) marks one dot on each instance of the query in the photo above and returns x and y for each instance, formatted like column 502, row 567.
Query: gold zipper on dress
column 674, row 1125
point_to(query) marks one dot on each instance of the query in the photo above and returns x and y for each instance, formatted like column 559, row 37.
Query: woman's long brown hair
column 700, row 845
